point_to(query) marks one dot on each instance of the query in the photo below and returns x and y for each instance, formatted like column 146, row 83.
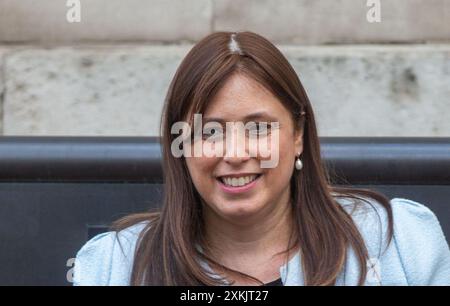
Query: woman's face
column 215, row 178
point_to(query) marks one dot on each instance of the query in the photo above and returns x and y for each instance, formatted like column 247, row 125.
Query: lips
column 238, row 183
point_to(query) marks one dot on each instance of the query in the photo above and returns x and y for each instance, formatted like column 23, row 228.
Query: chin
column 239, row 210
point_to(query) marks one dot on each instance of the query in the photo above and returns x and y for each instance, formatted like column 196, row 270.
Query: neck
column 260, row 236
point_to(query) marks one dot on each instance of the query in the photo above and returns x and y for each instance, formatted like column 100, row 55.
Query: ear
column 298, row 141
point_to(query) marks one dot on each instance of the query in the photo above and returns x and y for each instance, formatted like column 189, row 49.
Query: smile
column 238, row 181
column 237, row 184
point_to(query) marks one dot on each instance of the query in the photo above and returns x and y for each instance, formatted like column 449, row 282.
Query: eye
column 212, row 132
column 260, row 129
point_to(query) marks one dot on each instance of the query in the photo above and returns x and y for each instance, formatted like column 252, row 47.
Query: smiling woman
column 227, row 220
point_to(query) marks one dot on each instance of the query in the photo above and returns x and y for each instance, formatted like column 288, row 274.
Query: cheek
column 286, row 146
column 201, row 171
column 282, row 173
column 213, row 149
column 277, row 143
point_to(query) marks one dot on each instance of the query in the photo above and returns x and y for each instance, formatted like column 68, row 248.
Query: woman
column 226, row 219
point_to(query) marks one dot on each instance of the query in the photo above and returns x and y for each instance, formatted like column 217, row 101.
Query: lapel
column 291, row 272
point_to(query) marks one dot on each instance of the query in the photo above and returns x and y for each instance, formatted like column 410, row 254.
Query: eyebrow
column 250, row 117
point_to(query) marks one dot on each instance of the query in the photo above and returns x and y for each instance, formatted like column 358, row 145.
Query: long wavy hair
column 166, row 252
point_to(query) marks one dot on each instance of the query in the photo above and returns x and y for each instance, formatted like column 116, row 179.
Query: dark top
column 276, row 282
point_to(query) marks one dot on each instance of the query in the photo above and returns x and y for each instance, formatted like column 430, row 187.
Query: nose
column 235, row 159
column 236, row 147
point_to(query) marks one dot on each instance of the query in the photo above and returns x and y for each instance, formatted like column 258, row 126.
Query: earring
column 298, row 163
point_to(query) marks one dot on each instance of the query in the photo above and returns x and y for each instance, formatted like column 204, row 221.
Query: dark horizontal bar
column 389, row 160
column 86, row 159
column 357, row 160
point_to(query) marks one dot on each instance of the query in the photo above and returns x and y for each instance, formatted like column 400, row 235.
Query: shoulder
column 107, row 259
column 418, row 249
column 421, row 243
column 410, row 218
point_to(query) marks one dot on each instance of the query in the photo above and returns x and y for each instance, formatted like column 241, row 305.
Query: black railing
column 424, row 161
column 57, row 192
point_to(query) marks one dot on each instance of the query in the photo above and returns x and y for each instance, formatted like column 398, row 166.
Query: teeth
column 238, row 181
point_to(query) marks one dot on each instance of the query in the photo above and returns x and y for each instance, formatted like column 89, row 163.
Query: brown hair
column 166, row 252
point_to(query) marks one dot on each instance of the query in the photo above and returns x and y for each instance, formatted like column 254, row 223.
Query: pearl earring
column 298, row 163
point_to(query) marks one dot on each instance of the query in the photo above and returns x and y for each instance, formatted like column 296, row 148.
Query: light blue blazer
column 417, row 255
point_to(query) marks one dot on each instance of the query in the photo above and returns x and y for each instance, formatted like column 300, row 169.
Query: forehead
column 241, row 97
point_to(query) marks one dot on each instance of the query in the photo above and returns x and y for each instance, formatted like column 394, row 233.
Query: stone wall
column 108, row 74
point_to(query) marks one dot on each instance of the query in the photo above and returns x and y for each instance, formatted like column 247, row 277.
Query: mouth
column 241, row 183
